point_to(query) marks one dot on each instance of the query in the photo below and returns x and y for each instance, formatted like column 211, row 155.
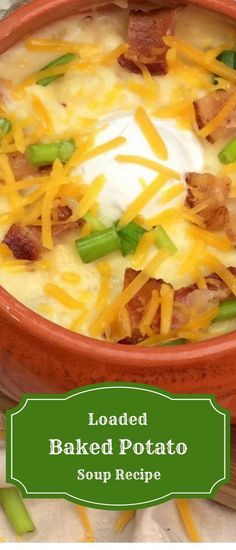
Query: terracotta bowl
column 39, row 356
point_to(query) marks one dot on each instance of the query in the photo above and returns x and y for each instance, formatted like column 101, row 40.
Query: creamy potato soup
column 117, row 174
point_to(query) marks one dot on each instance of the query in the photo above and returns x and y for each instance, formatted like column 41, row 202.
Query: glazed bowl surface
column 39, row 356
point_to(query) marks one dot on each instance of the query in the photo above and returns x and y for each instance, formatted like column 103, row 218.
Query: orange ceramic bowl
column 39, row 356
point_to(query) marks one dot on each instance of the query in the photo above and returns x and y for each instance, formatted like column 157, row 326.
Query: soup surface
column 117, row 204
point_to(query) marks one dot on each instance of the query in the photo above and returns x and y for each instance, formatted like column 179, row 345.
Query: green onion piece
column 5, row 127
column 130, row 237
column 14, row 507
column 228, row 57
column 227, row 310
column 163, row 240
column 176, row 342
column 228, row 154
column 95, row 222
column 98, row 244
column 66, row 149
column 62, row 60
column 43, row 154
column 48, row 80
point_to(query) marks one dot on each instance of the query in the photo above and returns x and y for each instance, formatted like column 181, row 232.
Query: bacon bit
column 25, row 242
column 137, row 306
column 69, row 226
column 63, row 212
column 208, row 107
column 220, row 210
column 186, row 299
column 145, row 32
column 22, row 168
column 226, row 217
column 211, row 189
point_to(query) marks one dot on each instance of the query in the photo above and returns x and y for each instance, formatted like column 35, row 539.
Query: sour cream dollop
column 185, row 154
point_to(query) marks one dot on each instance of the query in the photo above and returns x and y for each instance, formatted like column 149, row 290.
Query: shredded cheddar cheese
column 183, row 507
column 50, row 45
column 5, row 251
column 46, row 218
column 198, row 57
column 172, row 111
column 105, row 272
column 143, row 248
column 104, row 148
column 212, row 239
column 148, row 94
column 168, row 216
column 167, row 301
column 191, row 216
column 123, row 519
column 212, row 54
column 84, row 518
column 44, row 309
column 78, row 321
column 18, row 135
column 228, row 168
column 150, row 313
column 63, row 297
column 6, row 170
column 148, row 163
column 219, row 119
column 171, row 193
column 106, row 317
column 125, row 323
column 47, row 205
column 90, row 196
column 151, row 134
column 145, row 196
column 202, row 320
column 42, row 113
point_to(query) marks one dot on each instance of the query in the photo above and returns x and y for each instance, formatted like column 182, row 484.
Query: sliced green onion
column 176, row 342
column 95, row 222
column 228, row 57
column 228, row 154
column 130, row 237
column 48, row 80
column 227, row 310
column 98, row 244
column 62, row 60
column 163, row 240
column 5, row 127
column 43, row 154
column 14, row 507
column 66, row 149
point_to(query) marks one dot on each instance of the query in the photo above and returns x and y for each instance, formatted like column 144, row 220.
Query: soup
column 117, row 166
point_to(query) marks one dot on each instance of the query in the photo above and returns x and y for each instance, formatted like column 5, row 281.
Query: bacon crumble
column 208, row 107
column 25, row 242
column 219, row 209
column 190, row 296
column 22, row 168
column 145, row 32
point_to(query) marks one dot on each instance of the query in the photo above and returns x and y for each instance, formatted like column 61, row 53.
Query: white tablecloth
column 58, row 521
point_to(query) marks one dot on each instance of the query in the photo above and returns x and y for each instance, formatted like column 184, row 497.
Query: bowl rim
column 41, row 328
